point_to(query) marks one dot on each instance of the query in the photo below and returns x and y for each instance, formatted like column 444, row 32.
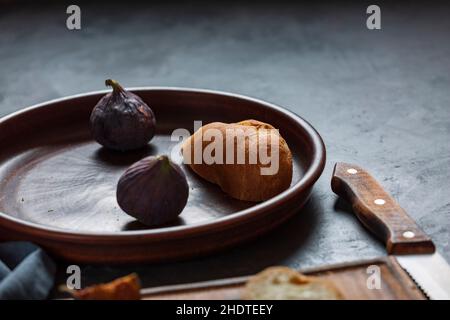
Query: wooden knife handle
column 378, row 211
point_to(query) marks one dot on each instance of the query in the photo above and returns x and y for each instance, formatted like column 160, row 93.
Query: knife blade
column 404, row 239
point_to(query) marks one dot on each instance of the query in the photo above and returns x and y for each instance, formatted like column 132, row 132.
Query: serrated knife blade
column 404, row 239
column 430, row 272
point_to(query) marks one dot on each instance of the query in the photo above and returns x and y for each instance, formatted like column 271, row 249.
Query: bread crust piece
column 242, row 181
column 124, row 288
column 283, row 283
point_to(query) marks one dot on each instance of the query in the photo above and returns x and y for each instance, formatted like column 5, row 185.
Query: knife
column 383, row 216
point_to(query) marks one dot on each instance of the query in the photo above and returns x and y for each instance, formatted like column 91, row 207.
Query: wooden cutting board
column 350, row 278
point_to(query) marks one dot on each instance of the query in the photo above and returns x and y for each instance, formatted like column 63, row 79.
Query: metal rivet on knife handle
column 409, row 234
column 378, row 211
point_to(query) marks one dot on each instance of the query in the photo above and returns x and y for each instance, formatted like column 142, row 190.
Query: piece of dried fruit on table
column 121, row 120
column 244, row 181
column 125, row 288
column 154, row 190
column 283, row 283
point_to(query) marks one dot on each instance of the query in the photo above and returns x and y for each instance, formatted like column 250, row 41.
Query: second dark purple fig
column 121, row 120
column 154, row 190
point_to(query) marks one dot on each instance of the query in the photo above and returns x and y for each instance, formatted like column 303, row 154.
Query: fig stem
column 165, row 160
column 114, row 84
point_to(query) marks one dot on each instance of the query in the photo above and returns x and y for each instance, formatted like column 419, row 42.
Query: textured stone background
column 379, row 98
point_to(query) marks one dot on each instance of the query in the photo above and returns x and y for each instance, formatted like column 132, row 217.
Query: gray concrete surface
column 379, row 98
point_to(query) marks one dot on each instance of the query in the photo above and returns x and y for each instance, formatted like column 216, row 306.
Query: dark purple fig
column 121, row 120
column 154, row 190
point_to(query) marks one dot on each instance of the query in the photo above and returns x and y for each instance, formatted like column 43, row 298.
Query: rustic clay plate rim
column 311, row 175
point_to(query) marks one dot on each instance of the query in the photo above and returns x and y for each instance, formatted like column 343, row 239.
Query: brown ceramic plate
column 57, row 186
